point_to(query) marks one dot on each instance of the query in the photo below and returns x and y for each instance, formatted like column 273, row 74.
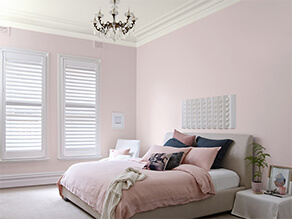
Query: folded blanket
column 114, row 192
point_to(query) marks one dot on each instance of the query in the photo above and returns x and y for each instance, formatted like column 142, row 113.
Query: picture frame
column 118, row 120
column 279, row 176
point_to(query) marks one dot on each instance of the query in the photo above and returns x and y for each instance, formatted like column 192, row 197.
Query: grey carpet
column 37, row 202
column 44, row 202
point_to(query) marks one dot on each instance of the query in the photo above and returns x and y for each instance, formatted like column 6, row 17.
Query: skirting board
column 30, row 179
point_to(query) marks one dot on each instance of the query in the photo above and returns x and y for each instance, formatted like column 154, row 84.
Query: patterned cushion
column 164, row 149
column 157, row 161
column 174, row 160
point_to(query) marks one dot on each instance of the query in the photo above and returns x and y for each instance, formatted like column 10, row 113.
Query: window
column 23, row 101
column 79, row 107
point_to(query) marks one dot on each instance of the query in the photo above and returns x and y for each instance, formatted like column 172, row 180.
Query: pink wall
column 244, row 50
column 118, row 91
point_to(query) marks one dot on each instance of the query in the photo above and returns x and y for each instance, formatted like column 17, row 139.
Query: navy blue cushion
column 173, row 142
column 224, row 144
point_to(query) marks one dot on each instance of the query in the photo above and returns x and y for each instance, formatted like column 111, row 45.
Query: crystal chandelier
column 115, row 30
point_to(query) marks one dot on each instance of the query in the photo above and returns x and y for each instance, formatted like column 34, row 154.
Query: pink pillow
column 201, row 157
column 186, row 139
column 116, row 152
column 164, row 149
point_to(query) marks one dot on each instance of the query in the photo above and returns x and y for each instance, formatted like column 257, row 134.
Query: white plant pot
column 257, row 187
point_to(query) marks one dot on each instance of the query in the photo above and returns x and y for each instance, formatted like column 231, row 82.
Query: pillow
column 164, row 149
column 120, row 157
column 174, row 160
column 224, row 144
column 116, row 152
column 157, row 161
column 173, row 142
column 201, row 157
column 185, row 139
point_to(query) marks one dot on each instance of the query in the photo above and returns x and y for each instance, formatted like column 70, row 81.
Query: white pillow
column 119, row 157
column 116, row 152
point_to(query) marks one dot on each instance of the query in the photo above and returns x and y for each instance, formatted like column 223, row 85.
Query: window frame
column 25, row 155
column 62, row 155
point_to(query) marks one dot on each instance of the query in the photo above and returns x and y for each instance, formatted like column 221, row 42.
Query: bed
column 223, row 199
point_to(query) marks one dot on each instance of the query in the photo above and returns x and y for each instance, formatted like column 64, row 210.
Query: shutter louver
column 79, row 111
column 24, row 83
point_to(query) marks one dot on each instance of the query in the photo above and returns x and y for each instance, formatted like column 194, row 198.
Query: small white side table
column 250, row 205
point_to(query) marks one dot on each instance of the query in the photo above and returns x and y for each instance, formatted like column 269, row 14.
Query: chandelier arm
column 126, row 29
column 128, row 18
column 97, row 28
column 123, row 25
column 106, row 26
column 100, row 22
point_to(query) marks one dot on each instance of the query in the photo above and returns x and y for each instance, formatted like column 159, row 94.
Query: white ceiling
column 73, row 17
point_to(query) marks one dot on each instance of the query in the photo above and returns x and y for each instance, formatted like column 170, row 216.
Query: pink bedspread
column 89, row 181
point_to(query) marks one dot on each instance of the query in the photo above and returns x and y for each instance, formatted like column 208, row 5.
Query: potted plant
column 258, row 160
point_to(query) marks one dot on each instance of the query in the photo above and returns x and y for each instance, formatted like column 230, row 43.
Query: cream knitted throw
column 114, row 191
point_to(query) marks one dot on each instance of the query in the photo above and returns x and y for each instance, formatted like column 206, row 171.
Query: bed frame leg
column 66, row 199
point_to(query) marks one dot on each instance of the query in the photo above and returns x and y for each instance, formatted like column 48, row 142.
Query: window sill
column 24, row 159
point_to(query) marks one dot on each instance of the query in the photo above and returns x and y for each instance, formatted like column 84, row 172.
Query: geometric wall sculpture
column 217, row 112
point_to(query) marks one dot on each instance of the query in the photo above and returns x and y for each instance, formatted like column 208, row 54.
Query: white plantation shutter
column 23, row 104
column 79, row 86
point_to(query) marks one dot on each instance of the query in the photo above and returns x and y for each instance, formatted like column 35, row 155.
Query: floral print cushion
column 157, row 161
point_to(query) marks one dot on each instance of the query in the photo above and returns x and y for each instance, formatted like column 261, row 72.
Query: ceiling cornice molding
column 45, row 24
column 186, row 14
column 175, row 19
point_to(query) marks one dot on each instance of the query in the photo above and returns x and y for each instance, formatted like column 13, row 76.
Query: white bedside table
column 250, row 205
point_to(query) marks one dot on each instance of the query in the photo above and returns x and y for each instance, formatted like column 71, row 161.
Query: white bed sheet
column 224, row 179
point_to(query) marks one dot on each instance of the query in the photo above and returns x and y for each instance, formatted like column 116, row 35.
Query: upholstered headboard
column 234, row 159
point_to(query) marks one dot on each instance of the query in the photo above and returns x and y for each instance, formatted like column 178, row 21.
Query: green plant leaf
column 258, row 160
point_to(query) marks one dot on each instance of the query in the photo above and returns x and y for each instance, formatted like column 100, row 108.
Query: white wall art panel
column 217, row 112
column 184, row 114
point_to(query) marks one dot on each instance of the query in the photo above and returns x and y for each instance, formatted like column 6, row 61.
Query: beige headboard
column 234, row 159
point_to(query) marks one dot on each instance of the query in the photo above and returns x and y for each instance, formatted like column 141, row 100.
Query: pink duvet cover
column 185, row 183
